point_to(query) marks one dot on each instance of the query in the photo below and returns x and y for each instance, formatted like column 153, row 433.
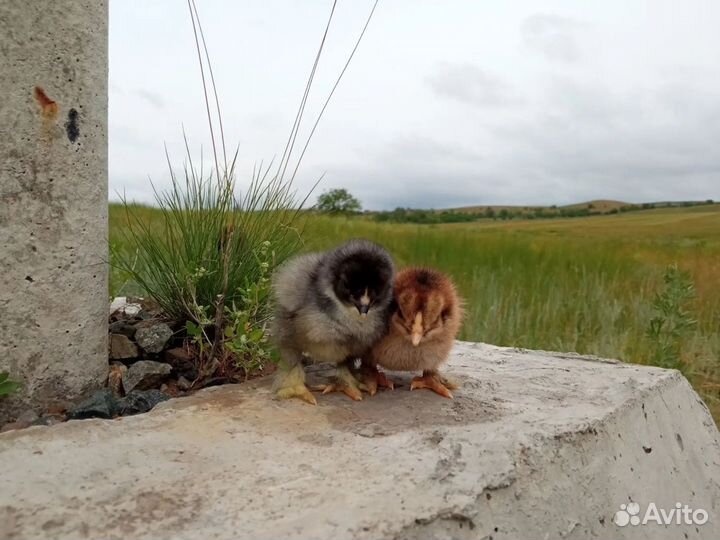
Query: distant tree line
column 410, row 215
column 341, row 202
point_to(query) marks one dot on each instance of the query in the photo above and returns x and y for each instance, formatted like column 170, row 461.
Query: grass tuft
column 207, row 241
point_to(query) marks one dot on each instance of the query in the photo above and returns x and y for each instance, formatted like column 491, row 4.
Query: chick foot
column 291, row 384
column 373, row 378
column 299, row 391
column 435, row 382
column 344, row 382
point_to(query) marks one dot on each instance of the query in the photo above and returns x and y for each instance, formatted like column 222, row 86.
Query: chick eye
column 437, row 323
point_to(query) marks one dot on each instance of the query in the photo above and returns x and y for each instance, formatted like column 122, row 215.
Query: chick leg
column 290, row 379
column 373, row 378
column 344, row 382
column 432, row 380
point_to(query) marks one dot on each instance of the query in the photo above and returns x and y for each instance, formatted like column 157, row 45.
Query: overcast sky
column 446, row 103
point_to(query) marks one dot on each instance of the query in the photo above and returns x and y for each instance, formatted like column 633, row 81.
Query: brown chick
column 427, row 317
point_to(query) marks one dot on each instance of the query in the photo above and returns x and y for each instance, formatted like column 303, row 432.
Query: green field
column 580, row 284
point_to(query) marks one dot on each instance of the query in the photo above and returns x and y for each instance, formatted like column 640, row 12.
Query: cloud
column 629, row 145
column 580, row 141
column 553, row 36
column 471, row 85
column 156, row 100
column 421, row 172
column 538, row 108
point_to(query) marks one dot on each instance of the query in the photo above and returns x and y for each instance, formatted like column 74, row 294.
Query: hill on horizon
column 595, row 206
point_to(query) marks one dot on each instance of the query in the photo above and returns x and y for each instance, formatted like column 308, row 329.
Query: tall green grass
column 588, row 287
column 206, row 241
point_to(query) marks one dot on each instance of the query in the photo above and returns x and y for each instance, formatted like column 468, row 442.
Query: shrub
column 672, row 322
column 208, row 241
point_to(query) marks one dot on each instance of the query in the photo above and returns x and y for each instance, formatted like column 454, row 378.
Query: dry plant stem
column 219, row 325
column 214, row 88
column 330, row 95
column 285, row 159
column 207, row 100
column 220, row 304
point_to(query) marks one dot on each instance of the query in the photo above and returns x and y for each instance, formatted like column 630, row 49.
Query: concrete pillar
column 53, row 199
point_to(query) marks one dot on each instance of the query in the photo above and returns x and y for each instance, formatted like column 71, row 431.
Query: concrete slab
column 534, row 445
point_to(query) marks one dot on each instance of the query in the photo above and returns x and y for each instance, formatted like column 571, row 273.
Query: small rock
column 118, row 302
column 120, row 305
column 145, row 374
column 171, row 389
column 48, row 420
column 140, row 401
column 58, row 408
column 122, row 327
column 121, row 348
column 14, row 425
column 28, row 417
column 131, row 310
column 115, row 377
column 180, row 359
column 184, row 384
column 153, row 338
column 149, row 307
column 102, row 404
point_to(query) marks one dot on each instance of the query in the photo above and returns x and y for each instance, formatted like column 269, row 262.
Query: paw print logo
column 628, row 514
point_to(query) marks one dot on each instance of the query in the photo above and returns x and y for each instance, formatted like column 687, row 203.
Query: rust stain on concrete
column 48, row 107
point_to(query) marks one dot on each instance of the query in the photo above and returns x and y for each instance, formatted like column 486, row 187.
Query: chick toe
column 290, row 383
column 353, row 393
column 384, row 382
column 432, row 381
column 450, row 384
column 372, row 378
column 299, row 391
column 370, row 383
column 346, row 383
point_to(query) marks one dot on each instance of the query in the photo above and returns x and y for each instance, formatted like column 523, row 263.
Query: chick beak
column 417, row 329
column 364, row 304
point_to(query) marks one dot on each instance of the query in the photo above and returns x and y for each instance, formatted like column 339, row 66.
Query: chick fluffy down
column 430, row 293
column 310, row 319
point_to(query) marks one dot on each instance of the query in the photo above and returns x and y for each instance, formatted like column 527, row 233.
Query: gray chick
column 331, row 307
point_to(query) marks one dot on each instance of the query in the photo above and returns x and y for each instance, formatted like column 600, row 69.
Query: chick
column 426, row 317
column 331, row 307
